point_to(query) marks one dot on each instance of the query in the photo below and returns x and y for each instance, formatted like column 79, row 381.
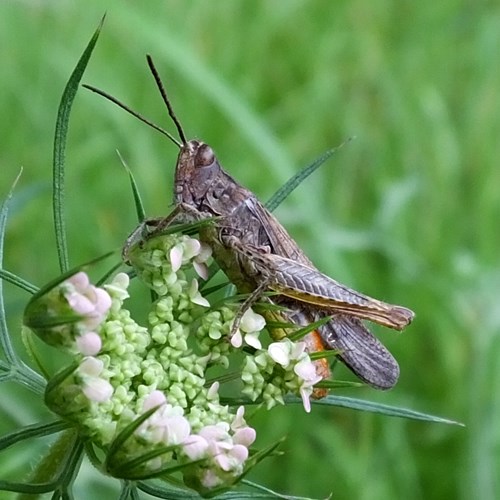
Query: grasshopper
column 258, row 255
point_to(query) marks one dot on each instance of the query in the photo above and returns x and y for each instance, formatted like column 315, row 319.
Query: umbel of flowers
column 140, row 393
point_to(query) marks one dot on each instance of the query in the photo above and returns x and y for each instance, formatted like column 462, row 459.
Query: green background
column 408, row 212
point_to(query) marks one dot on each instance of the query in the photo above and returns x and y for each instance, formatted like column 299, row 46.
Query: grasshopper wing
column 360, row 351
column 308, row 285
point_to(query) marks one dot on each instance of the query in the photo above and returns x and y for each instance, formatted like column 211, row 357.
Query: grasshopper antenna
column 143, row 119
column 163, row 93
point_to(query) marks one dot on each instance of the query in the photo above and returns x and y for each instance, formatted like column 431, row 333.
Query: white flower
column 95, row 388
column 195, row 296
column 292, row 356
column 167, row 424
column 118, row 286
column 306, row 371
column 176, row 257
column 89, row 344
column 199, row 262
column 251, row 325
column 85, row 299
column 280, row 353
column 98, row 390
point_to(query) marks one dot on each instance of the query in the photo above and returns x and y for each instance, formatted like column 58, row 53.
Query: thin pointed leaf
column 32, row 431
column 373, row 407
column 5, row 342
column 126, row 469
column 60, row 136
column 30, row 488
column 214, row 288
column 120, row 440
column 274, row 494
column 283, row 192
column 18, row 281
column 103, row 280
column 167, row 491
column 56, row 281
column 302, row 332
column 339, row 384
column 27, row 339
column 92, row 455
column 139, row 205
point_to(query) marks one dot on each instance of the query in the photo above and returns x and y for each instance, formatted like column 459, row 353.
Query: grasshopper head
column 196, row 169
column 202, row 183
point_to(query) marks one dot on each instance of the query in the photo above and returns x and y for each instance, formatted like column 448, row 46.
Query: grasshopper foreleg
column 155, row 226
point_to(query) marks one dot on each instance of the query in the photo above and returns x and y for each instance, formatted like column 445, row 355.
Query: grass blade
column 60, row 137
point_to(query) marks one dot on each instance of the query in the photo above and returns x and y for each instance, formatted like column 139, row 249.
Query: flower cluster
column 146, row 386
column 284, row 367
column 68, row 314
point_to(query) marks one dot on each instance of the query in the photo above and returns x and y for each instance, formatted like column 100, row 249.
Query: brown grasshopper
column 258, row 255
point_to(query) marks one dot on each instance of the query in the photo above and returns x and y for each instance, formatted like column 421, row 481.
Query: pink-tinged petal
column 176, row 257
column 305, row 370
column 195, row 447
column 156, row 398
column 80, row 304
column 103, row 303
column 89, row 344
column 177, row 429
column 245, row 436
column 237, row 339
column 304, row 394
column 91, row 367
column 201, row 269
column 223, row 461
column 192, row 248
column 98, row 390
column 79, row 280
column 214, row 432
column 279, row 353
column 239, row 453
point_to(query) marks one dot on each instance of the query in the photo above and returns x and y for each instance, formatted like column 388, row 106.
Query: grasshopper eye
column 205, row 156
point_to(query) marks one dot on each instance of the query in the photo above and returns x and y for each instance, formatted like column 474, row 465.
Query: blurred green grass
column 408, row 212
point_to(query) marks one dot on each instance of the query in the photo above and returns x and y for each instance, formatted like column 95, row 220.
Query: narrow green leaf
column 18, row 281
column 273, row 494
column 302, row 332
column 56, row 281
column 31, row 488
column 5, row 342
column 139, row 206
column 283, row 192
column 60, row 136
column 167, row 491
column 370, row 406
column 339, row 384
column 32, row 431
column 107, row 275
column 27, row 337
column 119, row 440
